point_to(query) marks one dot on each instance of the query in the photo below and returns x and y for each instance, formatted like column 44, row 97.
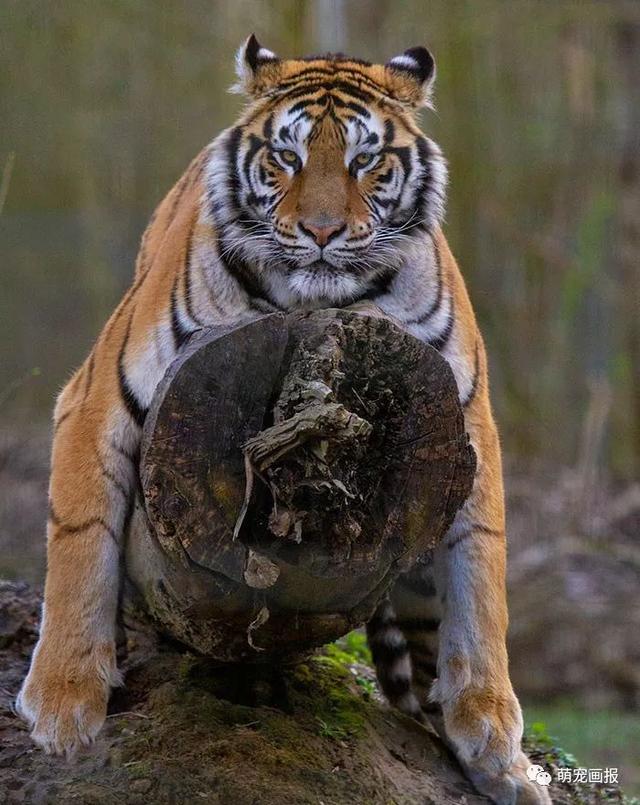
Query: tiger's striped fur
column 325, row 193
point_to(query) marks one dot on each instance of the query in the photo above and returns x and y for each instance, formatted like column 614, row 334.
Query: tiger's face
column 330, row 176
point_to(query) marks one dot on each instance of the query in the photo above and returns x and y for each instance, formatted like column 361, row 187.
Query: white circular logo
column 533, row 771
column 538, row 775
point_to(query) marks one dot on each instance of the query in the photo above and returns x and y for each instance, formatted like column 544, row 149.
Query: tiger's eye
column 290, row 157
column 363, row 159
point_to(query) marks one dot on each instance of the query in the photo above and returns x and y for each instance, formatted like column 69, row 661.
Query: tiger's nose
column 324, row 233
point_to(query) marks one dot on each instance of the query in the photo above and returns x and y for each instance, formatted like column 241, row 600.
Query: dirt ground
column 183, row 732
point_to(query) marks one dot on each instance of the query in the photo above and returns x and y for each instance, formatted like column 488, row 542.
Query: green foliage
column 538, row 734
column 351, row 648
column 350, row 652
column 333, row 731
column 599, row 739
column 368, row 686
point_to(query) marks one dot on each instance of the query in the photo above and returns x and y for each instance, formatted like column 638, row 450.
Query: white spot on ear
column 404, row 63
column 266, row 55
column 419, row 64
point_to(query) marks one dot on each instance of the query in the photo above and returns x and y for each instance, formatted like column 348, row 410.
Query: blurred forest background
column 538, row 112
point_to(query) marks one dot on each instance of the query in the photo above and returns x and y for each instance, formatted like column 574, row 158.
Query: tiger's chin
column 323, row 284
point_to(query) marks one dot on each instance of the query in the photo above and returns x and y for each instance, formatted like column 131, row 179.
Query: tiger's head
column 327, row 179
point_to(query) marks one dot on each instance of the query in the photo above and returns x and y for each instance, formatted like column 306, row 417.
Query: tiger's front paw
column 64, row 701
column 513, row 787
column 485, row 727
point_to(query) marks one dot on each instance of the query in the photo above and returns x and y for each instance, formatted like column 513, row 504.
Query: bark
column 291, row 469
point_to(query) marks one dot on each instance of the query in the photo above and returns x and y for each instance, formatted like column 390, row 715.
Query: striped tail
column 403, row 638
column 392, row 659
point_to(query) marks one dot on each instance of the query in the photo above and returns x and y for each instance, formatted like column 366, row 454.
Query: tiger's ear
column 256, row 67
column 410, row 76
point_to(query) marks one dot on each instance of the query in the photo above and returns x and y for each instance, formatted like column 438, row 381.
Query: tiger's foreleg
column 64, row 696
column 482, row 715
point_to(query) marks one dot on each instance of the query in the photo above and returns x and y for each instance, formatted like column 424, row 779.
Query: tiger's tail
column 402, row 636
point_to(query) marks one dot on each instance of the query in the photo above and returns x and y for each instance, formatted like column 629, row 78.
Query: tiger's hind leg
column 402, row 637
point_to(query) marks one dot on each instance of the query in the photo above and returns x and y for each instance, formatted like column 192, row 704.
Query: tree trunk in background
column 329, row 25
column 628, row 251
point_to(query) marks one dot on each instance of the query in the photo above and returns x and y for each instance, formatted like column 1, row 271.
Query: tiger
column 325, row 193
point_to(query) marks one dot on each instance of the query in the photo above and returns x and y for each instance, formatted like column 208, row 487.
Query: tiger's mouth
column 332, row 263
column 325, row 268
column 323, row 265
column 316, row 267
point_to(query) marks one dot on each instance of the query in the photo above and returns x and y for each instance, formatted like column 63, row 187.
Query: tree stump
column 291, row 468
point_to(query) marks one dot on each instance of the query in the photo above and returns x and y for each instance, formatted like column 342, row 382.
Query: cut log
column 291, row 468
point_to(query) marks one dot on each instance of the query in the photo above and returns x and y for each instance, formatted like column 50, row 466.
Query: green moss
column 200, row 707
column 335, row 702
column 303, row 674
column 335, row 696
column 139, row 768
column 322, row 691
column 333, row 664
column 282, row 730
